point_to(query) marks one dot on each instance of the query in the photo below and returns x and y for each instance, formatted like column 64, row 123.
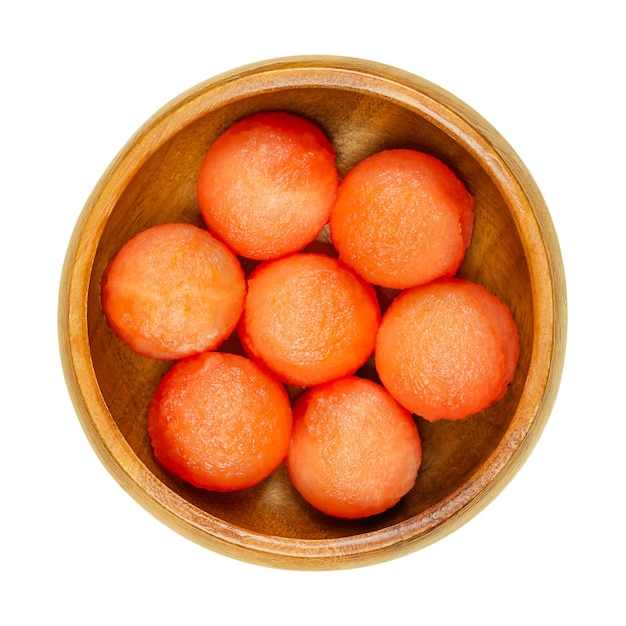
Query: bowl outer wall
column 549, row 323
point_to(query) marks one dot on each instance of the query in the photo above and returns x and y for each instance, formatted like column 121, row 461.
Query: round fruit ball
column 219, row 422
column 402, row 218
column 355, row 452
column 173, row 290
column 267, row 184
column 447, row 350
column 308, row 318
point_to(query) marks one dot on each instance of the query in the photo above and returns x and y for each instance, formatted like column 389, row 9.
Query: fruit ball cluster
column 443, row 349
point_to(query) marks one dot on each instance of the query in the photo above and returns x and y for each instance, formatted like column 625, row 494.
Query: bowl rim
column 529, row 210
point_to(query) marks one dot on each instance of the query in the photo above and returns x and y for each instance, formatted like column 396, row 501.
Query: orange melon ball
column 354, row 450
column 402, row 218
column 173, row 290
column 267, row 184
column 308, row 318
column 219, row 422
column 447, row 350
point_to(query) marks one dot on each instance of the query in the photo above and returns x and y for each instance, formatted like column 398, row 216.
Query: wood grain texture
column 364, row 107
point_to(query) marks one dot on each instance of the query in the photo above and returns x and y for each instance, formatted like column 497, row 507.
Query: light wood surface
column 363, row 107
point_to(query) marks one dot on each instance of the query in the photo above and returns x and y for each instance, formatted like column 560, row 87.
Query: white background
column 77, row 81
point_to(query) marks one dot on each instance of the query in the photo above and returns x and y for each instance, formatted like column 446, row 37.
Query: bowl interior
column 153, row 181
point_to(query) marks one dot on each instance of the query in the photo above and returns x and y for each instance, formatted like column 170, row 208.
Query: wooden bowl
column 363, row 107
